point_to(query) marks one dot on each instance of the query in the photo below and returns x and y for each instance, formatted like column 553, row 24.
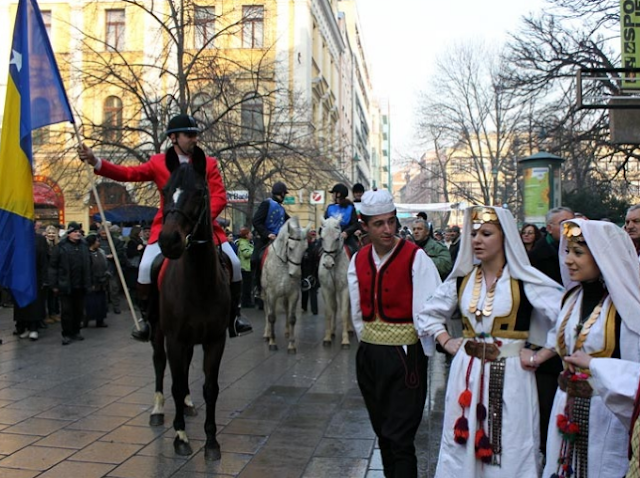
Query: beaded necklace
column 582, row 329
column 487, row 308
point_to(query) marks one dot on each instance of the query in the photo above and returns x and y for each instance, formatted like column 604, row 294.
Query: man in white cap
column 389, row 281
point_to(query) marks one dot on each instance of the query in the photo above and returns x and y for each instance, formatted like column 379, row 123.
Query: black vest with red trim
column 386, row 295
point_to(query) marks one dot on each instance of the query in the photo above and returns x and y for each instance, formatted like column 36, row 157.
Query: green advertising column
column 542, row 185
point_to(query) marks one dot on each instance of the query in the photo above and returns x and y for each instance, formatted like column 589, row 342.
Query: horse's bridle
column 287, row 259
column 203, row 219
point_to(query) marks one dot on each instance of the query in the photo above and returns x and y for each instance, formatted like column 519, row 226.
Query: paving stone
column 37, row 426
column 10, row 443
column 146, row 466
column 71, row 469
column 134, row 435
column 104, row 452
column 13, row 473
column 320, row 467
column 66, row 438
column 229, row 464
column 35, row 458
column 244, row 426
column 347, row 448
column 98, row 423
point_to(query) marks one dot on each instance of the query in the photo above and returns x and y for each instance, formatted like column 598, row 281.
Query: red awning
column 45, row 196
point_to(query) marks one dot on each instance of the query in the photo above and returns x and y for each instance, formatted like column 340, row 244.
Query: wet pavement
column 82, row 410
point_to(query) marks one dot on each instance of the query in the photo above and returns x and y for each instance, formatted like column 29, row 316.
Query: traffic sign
column 317, row 197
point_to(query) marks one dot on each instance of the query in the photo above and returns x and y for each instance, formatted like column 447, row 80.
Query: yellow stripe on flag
column 16, row 180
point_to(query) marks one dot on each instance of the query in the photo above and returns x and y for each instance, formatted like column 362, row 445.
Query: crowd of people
column 76, row 278
column 544, row 365
column 544, row 377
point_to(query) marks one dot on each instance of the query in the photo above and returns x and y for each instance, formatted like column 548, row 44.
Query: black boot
column 238, row 325
column 143, row 334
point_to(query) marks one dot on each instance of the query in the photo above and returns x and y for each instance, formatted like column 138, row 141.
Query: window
column 204, row 22
column 252, row 26
column 201, row 106
column 114, row 29
column 46, row 18
column 252, row 118
column 112, row 123
column 40, row 136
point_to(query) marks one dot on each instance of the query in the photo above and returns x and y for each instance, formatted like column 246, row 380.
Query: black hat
column 182, row 123
column 74, row 226
column 358, row 188
column 422, row 215
column 279, row 189
column 341, row 189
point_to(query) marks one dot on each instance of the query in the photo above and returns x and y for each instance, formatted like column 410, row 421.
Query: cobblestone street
column 83, row 410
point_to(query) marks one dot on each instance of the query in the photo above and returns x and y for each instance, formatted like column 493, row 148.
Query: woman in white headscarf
column 491, row 420
column 596, row 328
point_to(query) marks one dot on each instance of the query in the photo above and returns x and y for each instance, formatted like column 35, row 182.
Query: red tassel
column 461, row 430
column 465, row 398
column 483, row 447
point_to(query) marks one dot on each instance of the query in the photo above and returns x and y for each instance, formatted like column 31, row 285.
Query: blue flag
column 35, row 98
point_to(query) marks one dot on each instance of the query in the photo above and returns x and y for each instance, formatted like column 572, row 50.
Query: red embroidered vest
column 387, row 293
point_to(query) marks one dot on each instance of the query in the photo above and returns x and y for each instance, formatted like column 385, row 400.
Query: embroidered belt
column 490, row 351
column 578, row 388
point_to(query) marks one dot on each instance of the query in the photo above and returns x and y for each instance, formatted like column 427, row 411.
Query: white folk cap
column 377, row 202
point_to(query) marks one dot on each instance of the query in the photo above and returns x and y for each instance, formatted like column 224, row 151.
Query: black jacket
column 544, row 257
column 70, row 266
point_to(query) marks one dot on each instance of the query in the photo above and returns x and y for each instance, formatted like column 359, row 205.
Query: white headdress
column 616, row 258
column 376, row 202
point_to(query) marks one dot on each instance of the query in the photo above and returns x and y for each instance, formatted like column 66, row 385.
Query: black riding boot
column 238, row 325
column 143, row 334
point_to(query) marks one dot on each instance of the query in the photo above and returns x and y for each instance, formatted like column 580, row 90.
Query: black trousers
column 310, row 295
column 72, row 306
column 547, row 382
column 394, row 387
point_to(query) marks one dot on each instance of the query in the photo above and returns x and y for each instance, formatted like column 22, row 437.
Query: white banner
column 317, row 197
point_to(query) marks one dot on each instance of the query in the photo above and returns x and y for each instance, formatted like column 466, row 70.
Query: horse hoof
column 156, row 420
column 182, row 448
column 326, row 343
column 292, row 351
column 190, row 411
column 346, row 346
column 273, row 348
column 212, row 453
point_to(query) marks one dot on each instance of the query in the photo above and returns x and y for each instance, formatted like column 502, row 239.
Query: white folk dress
column 614, row 382
column 520, row 416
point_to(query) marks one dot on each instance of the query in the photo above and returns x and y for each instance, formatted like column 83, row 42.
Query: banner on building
column 630, row 38
column 238, row 196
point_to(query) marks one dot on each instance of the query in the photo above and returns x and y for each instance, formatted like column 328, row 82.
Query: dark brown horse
column 194, row 295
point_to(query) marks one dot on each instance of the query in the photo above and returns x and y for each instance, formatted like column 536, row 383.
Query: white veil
column 616, row 257
column 540, row 289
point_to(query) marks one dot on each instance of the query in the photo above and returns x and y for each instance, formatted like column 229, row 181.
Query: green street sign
column 289, row 200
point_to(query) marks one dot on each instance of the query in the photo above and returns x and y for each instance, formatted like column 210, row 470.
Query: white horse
column 332, row 274
column 281, row 274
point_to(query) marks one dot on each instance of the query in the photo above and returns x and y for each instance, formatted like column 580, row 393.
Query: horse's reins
column 196, row 223
column 286, row 259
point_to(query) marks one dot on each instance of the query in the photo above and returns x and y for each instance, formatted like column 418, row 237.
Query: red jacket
column 387, row 293
column 156, row 170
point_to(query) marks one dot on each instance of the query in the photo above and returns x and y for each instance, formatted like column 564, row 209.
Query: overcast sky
column 404, row 37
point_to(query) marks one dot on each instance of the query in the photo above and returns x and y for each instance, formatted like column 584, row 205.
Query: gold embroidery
column 583, row 332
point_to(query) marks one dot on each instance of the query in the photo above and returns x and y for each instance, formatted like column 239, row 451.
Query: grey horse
column 332, row 274
column 281, row 274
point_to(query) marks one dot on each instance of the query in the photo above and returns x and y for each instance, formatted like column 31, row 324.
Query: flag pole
column 116, row 259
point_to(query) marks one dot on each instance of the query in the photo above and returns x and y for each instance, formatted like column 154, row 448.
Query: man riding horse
column 183, row 132
column 267, row 221
column 344, row 211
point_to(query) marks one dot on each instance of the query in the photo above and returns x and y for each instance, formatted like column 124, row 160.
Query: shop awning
column 129, row 214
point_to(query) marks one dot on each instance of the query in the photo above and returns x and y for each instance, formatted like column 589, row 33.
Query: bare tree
column 467, row 111
column 192, row 68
